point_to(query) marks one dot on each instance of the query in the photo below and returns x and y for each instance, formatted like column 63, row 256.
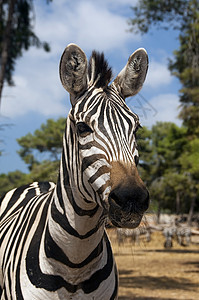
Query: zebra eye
column 83, row 129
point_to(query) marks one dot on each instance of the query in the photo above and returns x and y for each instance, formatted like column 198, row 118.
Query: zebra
column 183, row 234
column 53, row 242
column 133, row 234
column 169, row 233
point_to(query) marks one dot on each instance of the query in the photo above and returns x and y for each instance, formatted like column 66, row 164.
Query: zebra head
column 100, row 143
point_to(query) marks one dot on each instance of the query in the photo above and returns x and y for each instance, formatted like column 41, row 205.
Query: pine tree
column 182, row 15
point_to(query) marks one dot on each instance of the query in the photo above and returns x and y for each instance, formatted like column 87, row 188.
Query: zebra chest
column 38, row 274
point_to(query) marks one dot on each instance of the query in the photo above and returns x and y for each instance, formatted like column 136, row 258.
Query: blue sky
column 101, row 25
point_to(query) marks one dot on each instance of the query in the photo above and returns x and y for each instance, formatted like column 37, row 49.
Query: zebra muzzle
column 127, row 206
column 128, row 198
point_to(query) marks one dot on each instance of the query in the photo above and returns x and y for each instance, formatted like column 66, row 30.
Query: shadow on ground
column 180, row 251
column 133, row 297
column 152, row 283
column 143, row 298
column 141, row 252
column 194, row 264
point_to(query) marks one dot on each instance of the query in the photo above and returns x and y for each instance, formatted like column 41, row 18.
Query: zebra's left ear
column 130, row 80
column 73, row 70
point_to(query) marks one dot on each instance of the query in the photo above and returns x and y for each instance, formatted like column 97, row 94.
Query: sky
column 101, row 25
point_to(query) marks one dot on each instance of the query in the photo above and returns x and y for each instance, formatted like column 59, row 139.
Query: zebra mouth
column 123, row 216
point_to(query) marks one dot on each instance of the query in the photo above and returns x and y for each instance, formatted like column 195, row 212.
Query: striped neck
column 77, row 226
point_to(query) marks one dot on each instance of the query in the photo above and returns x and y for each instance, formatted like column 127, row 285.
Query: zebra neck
column 76, row 231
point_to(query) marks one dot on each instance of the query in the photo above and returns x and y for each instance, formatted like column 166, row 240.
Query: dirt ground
column 148, row 271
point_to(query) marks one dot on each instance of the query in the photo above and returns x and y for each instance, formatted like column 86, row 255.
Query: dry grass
column 149, row 271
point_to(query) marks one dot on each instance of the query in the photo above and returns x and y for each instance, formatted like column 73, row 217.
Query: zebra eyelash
column 83, row 129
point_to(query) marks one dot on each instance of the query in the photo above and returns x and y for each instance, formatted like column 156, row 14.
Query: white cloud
column 37, row 89
column 101, row 29
column 119, row 2
column 90, row 24
column 163, row 107
column 158, row 75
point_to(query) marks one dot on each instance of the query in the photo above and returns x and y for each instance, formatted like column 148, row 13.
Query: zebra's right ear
column 73, row 69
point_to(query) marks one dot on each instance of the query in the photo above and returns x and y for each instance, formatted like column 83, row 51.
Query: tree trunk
column 177, row 203
column 5, row 45
column 191, row 210
column 158, row 212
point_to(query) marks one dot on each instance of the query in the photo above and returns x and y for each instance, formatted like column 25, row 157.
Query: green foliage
column 185, row 67
column 145, row 151
column 45, row 171
column 163, row 14
column 47, row 139
column 12, row 180
column 174, row 167
column 168, row 165
column 190, row 159
column 184, row 16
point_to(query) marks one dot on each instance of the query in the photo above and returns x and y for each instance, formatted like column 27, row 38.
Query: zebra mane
column 99, row 71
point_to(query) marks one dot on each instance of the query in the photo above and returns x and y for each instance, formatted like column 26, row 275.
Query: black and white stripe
column 169, row 233
column 53, row 243
column 133, row 234
column 183, row 234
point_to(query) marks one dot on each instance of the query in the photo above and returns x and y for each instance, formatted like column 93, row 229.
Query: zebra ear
column 73, row 69
column 130, row 80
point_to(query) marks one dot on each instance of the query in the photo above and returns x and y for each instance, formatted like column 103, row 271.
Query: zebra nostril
column 117, row 200
column 134, row 200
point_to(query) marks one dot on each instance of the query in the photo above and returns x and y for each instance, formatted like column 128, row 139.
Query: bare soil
column 148, row 271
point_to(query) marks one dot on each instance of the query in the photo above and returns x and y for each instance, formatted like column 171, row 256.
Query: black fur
column 101, row 69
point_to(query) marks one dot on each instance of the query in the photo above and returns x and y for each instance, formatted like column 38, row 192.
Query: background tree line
column 176, row 154
column 169, row 161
